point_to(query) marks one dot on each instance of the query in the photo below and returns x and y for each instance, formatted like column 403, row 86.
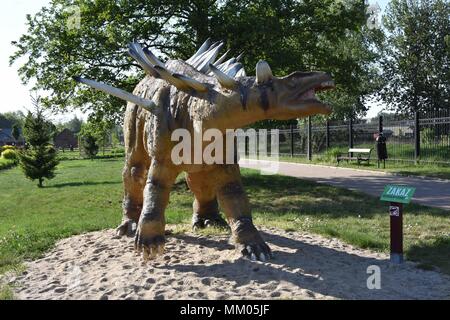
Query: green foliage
column 417, row 61
column 7, row 147
column 427, row 136
column 89, row 144
column 15, row 131
column 9, row 154
column 15, row 117
column 6, row 164
column 74, row 124
column 94, row 133
column 291, row 35
column 39, row 160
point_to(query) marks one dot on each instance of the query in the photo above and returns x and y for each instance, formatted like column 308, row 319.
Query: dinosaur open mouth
column 310, row 94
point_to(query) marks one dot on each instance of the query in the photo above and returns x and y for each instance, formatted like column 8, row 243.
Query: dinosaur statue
column 213, row 94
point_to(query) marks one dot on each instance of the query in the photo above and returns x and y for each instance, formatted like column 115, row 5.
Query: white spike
column 202, row 49
column 201, row 56
column 233, row 69
column 152, row 58
column 119, row 93
column 204, row 65
column 135, row 50
column 224, row 80
column 240, row 73
column 224, row 66
column 166, row 75
column 263, row 72
column 239, row 56
column 194, row 84
column 221, row 59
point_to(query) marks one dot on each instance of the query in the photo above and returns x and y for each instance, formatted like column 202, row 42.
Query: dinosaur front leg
column 205, row 206
column 134, row 173
column 149, row 237
column 134, row 178
column 234, row 202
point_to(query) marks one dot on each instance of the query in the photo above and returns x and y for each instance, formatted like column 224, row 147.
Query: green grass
column 102, row 154
column 86, row 196
column 6, row 292
column 6, row 164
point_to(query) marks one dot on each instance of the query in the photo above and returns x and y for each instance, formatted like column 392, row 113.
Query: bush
column 6, row 147
column 330, row 155
column 119, row 150
column 10, row 154
column 6, row 164
column 427, row 136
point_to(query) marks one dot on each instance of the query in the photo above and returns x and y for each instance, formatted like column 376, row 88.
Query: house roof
column 6, row 135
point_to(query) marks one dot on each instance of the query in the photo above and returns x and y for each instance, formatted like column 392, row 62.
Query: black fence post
column 292, row 140
column 309, row 139
column 416, row 136
column 327, row 134
column 380, row 124
column 350, row 135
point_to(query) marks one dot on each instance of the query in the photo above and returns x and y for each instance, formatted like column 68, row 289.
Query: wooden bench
column 358, row 154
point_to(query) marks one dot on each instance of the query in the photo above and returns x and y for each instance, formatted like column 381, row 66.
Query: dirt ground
column 98, row 265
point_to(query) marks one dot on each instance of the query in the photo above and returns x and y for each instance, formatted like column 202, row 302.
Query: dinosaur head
column 292, row 96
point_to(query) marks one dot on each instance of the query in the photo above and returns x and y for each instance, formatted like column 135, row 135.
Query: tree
column 39, row 160
column 416, row 67
column 15, row 117
column 292, row 35
column 90, row 145
column 74, row 124
column 94, row 133
column 15, row 131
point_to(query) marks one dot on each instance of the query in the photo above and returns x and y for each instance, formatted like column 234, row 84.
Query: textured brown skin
column 149, row 172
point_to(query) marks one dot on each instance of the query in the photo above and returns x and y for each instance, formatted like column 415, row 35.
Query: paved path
column 429, row 192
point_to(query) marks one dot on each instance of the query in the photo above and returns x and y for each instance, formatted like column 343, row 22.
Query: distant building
column 65, row 139
column 6, row 137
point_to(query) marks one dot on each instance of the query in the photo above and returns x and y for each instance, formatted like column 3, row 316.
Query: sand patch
column 98, row 266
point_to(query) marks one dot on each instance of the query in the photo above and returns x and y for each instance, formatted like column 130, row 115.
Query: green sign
column 397, row 193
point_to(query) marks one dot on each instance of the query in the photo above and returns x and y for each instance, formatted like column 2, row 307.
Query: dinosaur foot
column 149, row 240
column 127, row 227
column 211, row 220
column 248, row 240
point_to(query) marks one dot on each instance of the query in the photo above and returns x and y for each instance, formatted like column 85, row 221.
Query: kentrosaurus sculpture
column 183, row 94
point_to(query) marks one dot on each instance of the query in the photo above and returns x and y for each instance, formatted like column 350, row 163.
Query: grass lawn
column 86, row 196
column 6, row 164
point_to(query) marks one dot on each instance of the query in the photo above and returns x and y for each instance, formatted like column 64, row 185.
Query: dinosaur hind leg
column 235, row 204
column 205, row 206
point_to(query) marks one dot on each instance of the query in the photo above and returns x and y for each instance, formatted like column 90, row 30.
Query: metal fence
column 420, row 138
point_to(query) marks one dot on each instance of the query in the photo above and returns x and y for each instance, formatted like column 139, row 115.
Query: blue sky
column 15, row 96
